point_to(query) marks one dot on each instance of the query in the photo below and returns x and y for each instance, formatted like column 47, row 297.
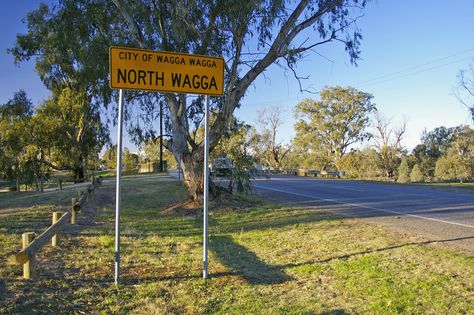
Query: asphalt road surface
column 435, row 213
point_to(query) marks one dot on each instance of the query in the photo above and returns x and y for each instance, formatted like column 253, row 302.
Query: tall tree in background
column 71, row 42
column 130, row 161
column 388, row 143
column 403, row 171
column 109, row 157
column 151, row 151
column 465, row 92
column 269, row 150
column 457, row 163
column 360, row 164
column 433, row 145
column 335, row 122
column 15, row 132
column 68, row 132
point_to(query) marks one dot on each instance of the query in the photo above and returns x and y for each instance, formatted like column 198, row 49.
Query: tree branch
column 56, row 167
column 132, row 24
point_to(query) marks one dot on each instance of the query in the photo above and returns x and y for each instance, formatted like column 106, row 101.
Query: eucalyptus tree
column 15, row 118
column 458, row 160
column 465, row 92
column 388, row 143
column 269, row 150
column 434, row 144
column 339, row 119
column 72, row 39
column 68, row 132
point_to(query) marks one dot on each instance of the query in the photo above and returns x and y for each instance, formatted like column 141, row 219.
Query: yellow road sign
column 139, row 69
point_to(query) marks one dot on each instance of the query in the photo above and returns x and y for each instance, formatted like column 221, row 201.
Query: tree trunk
column 192, row 166
column 41, row 183
column 18, row 185
column 79, row 174
column 193, row 177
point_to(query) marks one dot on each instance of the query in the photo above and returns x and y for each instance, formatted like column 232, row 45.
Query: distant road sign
column 139, row 69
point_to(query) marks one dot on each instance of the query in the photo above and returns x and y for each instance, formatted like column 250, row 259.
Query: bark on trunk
column 193, row 177
column 79, row 175
column 192, row 166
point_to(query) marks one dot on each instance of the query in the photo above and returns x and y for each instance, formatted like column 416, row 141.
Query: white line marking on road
column 367, row 207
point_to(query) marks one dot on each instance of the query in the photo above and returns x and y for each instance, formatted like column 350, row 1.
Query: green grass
column 264, row 259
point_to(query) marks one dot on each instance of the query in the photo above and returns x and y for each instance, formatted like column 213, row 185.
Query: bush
column 403, row 171
column 416, row 176
column 452, row 167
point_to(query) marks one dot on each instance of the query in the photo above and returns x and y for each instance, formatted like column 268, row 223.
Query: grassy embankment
column 264, row 259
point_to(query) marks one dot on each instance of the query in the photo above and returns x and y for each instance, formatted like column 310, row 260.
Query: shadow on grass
column 245, row 263
column 335, row 312
column 375, row 250
column 191, row 225
column 241, row 262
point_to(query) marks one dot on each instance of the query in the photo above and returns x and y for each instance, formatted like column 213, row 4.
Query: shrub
column 403, row 171
column 416, row 175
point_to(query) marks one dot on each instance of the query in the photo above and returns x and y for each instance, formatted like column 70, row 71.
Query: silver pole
column 206, row 186
column 117, row 190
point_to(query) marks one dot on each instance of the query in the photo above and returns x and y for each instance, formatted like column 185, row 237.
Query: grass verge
column 264, row 259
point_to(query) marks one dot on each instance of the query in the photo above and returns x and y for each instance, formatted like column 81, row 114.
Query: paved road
column 438, row 214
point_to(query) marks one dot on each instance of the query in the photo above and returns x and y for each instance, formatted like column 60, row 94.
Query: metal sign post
column 206, row 187
column 117, row 190
column 148, row 70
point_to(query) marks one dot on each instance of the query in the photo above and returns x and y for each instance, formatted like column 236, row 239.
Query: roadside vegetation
column 264, row 258
column 340, row 130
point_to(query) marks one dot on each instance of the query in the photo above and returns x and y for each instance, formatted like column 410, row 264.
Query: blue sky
column 412, row 52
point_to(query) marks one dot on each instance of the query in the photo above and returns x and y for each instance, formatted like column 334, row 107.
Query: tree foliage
column 71, row 41
column 236, row 145
column 15, row 154
column 68, row 131
column 457, row 163
column 109, row 157
column 416, row 176
column 433, row 145
column 360, row 164
column 130, row 161
column 339, row 119
column 403, row 171
column 151, row 151
column 388, row 143
column 268, row 150
column 465, row 92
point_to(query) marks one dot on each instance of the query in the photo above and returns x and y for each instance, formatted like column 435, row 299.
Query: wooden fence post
column 55, row 238
column 29, row 268
column 73, row 212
